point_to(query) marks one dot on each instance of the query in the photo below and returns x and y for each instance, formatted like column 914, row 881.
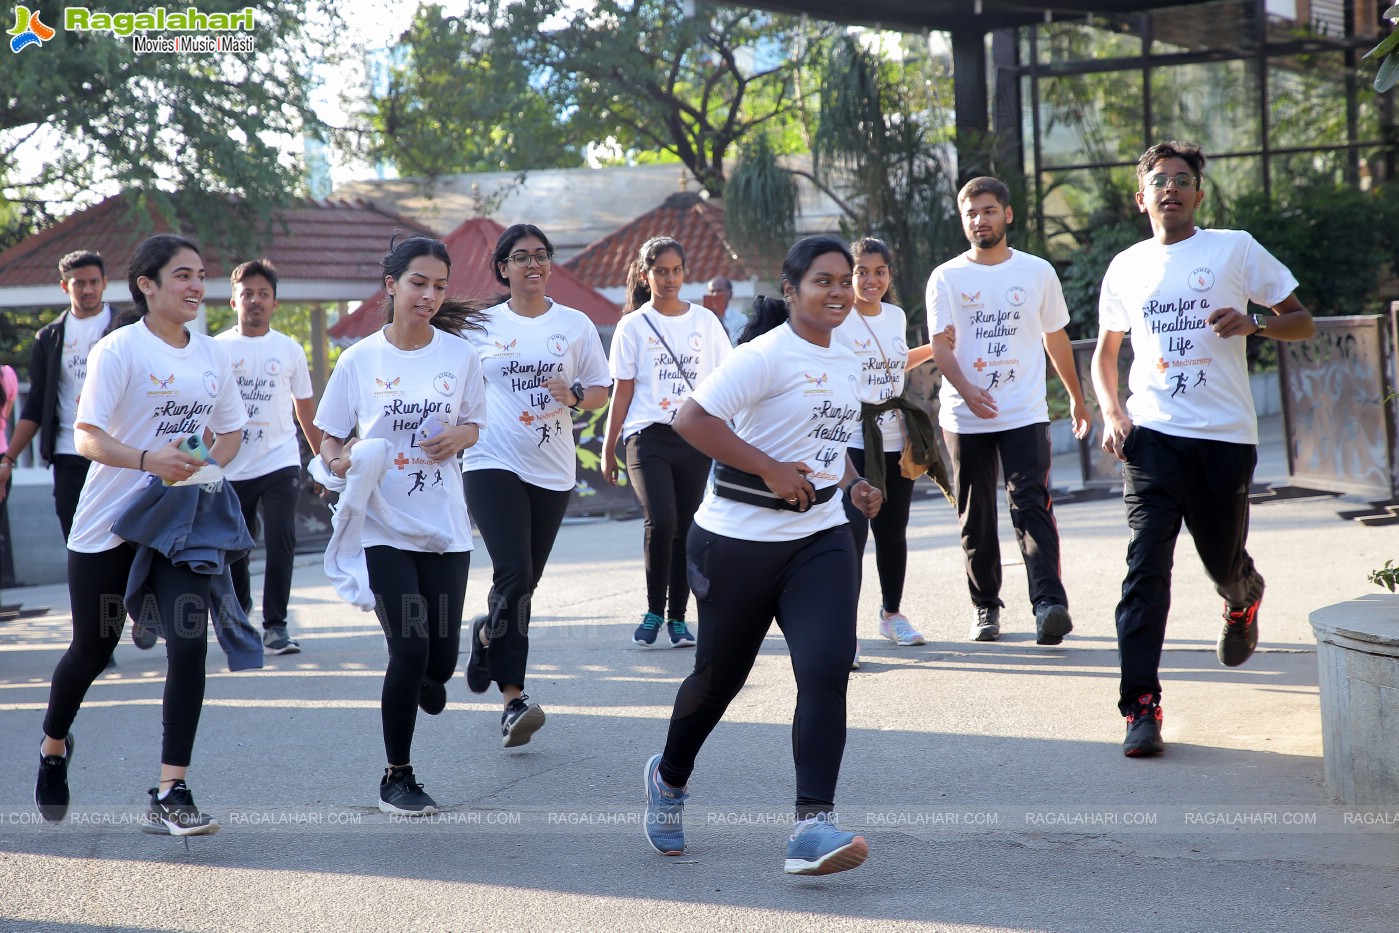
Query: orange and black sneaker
column 1144, row 729
column 1239, row 636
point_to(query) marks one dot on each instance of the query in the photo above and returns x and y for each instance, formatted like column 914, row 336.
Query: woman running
column 150, row 386
column 661, row 350
column 771, row 541
column 542, row 362
column 877, row 332
column 412, row 396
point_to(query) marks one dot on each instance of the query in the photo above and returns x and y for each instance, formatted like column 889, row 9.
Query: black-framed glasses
column 1182, row 180
column 541, row 256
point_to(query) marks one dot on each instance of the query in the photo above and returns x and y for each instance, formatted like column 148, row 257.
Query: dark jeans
column 278, row 492
column 518, row 521
column 808, row 586
column 1024, row 456
column 890, row 528
column 1167, row 480
column 96, row 584
column 69, row 475
column 668, row 476
column 419, row 598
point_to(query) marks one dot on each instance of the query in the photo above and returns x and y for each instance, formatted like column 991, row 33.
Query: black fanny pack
column 730, row 483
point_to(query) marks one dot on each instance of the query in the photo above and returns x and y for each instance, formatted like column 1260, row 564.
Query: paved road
column 987, row 778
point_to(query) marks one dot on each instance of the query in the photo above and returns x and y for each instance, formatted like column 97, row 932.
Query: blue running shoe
column 665, row 811
column 645, row 634
column 680, row 636
column 817, row 847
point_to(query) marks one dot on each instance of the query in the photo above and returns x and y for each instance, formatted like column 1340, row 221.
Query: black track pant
column 1024, row 456
column 1167, row 480
column 277, row 491
column 69, row 475
column 418, row 597
column 890, row 528
column 519, row 522
column 96, row 585
column 808, row 585
column 668, row 476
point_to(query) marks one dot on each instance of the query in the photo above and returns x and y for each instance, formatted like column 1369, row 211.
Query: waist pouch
column 731, row 483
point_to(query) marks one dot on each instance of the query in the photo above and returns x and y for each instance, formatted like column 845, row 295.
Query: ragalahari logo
column 28, row 30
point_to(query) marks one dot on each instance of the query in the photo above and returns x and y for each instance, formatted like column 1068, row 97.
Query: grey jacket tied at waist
column 201, row 528
column 922, row 438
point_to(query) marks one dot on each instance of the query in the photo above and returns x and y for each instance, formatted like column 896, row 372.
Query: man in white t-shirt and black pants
column 273, row 378
column 1007, row 310
column 57, row 368
column 1188, row 435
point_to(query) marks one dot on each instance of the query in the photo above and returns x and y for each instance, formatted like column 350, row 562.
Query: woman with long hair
column 413, row 388
column 878, row 333
column 542, row 362
column 770, row 541
column 150, row 387
column 661, row 350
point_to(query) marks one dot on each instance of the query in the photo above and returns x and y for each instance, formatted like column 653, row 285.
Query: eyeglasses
column 1161, row 180
column 522, row 259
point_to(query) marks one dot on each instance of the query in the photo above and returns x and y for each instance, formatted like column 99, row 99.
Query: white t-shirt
column 637, row 354
column 1186, row 380
column 881, row 344
column 80, row 335
column 1001, row 313
column 271, row 371
column 378, row 390
column 146, row 393
column 531, row 434
column 796, row 402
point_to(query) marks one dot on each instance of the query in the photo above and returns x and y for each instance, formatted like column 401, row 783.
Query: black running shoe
column 276, row 640
column 520, row 720
column 432, row 697
column 51, row 789
column 1052, row 623
column 478, row 669
column 1240, row 634
column 1144, row 729
column 176, row 814
column 399, row 793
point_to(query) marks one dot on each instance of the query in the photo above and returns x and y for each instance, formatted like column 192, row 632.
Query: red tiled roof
column 333, row 240
column 470, row 246
column 696, row 223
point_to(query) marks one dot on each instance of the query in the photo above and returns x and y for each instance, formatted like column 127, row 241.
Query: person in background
column 719, row 294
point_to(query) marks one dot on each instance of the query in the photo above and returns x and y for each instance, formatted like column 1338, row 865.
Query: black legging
column 669, row 477
column 96, row 585
column 890, row 530
column 518, row 521
column 419, row 598
column 808, row 585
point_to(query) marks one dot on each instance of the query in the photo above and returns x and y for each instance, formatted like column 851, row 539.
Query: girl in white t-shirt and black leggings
column 542, row 362
column 661, row 350
column 771, row 541
column 417, row 385
column 150, row 385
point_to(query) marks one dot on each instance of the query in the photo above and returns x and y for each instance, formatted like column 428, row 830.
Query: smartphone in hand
column 429, row 427
column 194, row 446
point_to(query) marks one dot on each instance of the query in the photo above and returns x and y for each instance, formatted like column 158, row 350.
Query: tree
column 650, row 77
column 207, row 125
column 458, row 98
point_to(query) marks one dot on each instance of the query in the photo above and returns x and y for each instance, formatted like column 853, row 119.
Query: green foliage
column 1388, row 50
column 1387, row 576
column 761, row 206
column 1083, row 277
column 207, row 125
column 294, row 320
column 458, row 98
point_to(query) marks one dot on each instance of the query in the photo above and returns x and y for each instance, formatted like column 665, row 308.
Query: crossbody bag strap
column 674, row 359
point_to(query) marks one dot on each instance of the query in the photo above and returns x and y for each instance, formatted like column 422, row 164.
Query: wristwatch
column 1260, row 322
column 577, row 390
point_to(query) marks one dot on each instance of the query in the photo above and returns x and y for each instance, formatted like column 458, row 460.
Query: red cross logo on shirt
column 526, row 418
column 665, row 404
column 400, row 461
column 980, row 364
column 1161, row 365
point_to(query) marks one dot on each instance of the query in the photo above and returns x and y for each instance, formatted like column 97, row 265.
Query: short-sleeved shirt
column 80, row 335
column 378, row 390
column 662, row 384
column 798, row 403
column 1186, row 380
column 881, row 343
column 146, row 393
column 531, row 434
column 271, row 371
column 1001, row 313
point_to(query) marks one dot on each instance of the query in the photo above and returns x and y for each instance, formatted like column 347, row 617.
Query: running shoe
column 51, row 789
column 520, row 720
column 1239, row 636
column 176, row 815
column 478, row 667
column 665, row 811
column 1052, row 623
column 646, row 632
column 680, row 636
column 896, row 627
column 1144, row 729
column 817, row 847
column 987, row 626
column 275, row 640
column 399, row 793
